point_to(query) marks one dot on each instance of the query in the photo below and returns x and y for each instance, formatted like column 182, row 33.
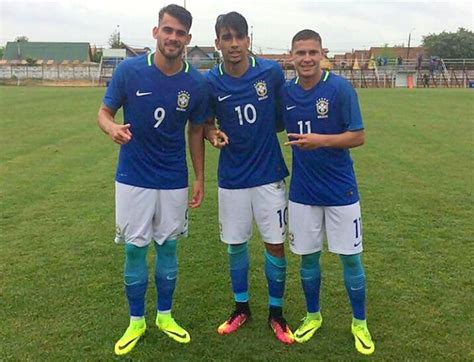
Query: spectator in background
column 432, row 65
column 426, row 80
column 399, row 60
column 419, row 61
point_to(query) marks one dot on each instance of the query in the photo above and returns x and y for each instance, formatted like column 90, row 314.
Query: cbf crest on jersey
column 322, row 107
column 261, row 88
column 183, row 101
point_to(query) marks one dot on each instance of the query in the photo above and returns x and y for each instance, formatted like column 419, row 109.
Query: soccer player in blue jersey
column 323, row 120
column 159, row 94
column 244, row 92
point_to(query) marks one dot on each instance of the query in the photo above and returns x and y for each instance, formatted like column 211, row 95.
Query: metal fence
column 447, row 73
column 69, row 72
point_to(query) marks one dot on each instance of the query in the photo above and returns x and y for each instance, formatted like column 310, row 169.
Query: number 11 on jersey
column 301, row 124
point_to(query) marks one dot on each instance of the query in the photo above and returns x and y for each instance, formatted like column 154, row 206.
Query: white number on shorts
column 358, row 227
column 159, row 116
column 302, row 124
column 249, row 113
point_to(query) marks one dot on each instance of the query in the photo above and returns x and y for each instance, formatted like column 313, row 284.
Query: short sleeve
column 350, row 109
column 115, row 94
column 212, row 105
column 279, row 79
column 201, row 110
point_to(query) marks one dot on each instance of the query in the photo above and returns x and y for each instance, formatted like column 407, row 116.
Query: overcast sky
column 343, row 25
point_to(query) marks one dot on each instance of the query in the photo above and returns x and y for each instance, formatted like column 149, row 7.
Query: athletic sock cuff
column 275, row 260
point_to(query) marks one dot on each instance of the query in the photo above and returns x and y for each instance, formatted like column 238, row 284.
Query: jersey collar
column 253, row 64
column 324, row 78
column 149, row 61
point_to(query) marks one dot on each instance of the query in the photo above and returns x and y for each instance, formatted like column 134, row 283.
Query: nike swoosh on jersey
column 220, row 99
column 289, row 108
column 141, row 94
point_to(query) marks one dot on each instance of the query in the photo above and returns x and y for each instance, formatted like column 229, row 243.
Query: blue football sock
column 135, row 279
column 275, row 271
column 239, row 269
column 166, row 270
column 310, row 273
column 354, row 279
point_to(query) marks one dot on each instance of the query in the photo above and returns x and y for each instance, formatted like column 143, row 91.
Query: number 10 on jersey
column 249, row 113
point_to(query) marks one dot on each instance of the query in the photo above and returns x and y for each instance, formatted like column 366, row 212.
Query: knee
column 353, row 271
column 277, row 250
column 310, row 261
column 309, row 269
column 166, row 250
column 166, row 263
column 238, row 256
column 351, row 262
column 135, row 255
column 135, row 265
column 236, row 249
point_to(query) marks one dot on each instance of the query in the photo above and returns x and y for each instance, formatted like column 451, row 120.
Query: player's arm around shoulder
column 119, row 133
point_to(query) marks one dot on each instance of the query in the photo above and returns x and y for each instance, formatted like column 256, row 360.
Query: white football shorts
column 143, row 215
column 341, row 224
column 266, row 203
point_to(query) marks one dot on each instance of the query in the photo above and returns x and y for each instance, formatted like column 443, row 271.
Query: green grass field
column 61, row 294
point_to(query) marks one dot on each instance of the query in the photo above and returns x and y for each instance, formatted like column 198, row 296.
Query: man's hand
column 119, row 133
column 311, row 141
column 217, row 138
column 308, row 141
column 198, row 195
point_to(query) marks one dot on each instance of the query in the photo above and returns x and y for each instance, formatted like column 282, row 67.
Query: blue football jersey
column 157, row 108
column 246, row 109
column 324, row 176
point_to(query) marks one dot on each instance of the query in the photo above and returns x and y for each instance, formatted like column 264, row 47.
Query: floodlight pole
column 118, row 35
column 409, row 38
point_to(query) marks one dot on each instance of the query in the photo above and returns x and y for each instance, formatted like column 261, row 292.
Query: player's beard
column 170, row 55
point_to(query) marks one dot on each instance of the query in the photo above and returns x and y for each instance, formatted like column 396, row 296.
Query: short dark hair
column 234, row 21
column 178, row 12
column 306, row 34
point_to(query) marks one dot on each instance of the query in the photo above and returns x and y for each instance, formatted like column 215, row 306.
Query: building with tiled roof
column 58, row 52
